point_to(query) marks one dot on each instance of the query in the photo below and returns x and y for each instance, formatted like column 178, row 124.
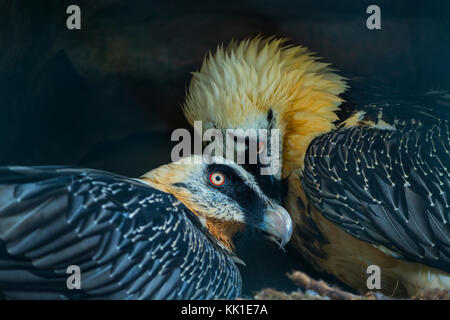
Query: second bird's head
column 225, row 197
column 270, row 84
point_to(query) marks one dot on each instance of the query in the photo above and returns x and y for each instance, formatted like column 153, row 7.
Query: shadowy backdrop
column 108, row 96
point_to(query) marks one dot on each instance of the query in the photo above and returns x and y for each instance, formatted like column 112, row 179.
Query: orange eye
column 217, row 179
column 260, row 147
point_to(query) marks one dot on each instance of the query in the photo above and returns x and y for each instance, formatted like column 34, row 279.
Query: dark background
column 108, row 96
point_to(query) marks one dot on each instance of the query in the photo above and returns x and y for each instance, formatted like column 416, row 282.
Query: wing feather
column 387, row 187
column 130, row 241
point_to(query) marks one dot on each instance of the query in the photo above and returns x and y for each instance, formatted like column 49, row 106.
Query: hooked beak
column 277, row 223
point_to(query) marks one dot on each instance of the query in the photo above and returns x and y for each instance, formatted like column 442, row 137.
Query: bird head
column 266, row 84
column 224, row 197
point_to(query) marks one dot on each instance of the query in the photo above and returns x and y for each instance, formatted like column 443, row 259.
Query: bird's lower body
column 330, row 249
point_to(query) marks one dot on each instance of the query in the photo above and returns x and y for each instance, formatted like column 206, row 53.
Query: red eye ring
column 216, row 178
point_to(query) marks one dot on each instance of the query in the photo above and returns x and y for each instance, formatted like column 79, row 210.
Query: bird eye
column 217, row 178
column 260, row 147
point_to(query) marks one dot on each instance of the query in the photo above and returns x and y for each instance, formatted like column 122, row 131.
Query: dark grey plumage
column 388, row 187
column 131, row 241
